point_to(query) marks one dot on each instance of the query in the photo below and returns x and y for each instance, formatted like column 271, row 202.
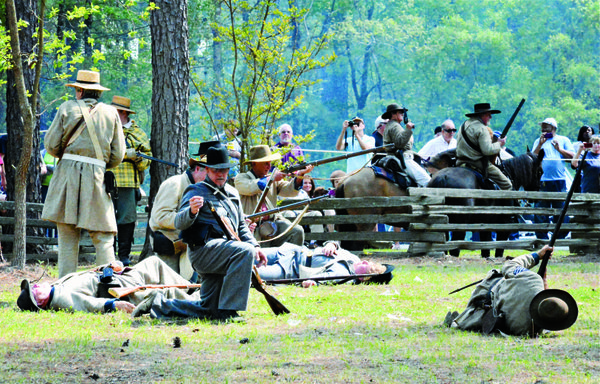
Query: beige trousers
column 68, row 247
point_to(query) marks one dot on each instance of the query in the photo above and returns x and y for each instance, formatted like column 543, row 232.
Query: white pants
column 68, row 247
column 415, row 171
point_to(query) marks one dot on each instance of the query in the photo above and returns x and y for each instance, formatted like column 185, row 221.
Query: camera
column 548, row 135
column 352, row 123
column 588, row 145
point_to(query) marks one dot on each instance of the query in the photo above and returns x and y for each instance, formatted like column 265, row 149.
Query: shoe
column 145, row 306
column 230, row 316
column 126, row 262
column 450, row 317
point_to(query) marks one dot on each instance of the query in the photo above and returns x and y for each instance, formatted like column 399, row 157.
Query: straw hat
column 122, row 103
column 88, row 80
column 262, row 153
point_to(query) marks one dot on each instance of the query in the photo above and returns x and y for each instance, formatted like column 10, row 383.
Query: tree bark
column 22, row 123
column 170, row 92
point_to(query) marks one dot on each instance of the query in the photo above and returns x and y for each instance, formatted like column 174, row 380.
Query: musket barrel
column 297, row 167
column 284, row 208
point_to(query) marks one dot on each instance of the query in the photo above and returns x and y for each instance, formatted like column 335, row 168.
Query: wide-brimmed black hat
column 391, row 109
column 482, row 108
column 217, row 158
column 26, row 301
column 200, row 157
column 553, row 309
column 382, row 278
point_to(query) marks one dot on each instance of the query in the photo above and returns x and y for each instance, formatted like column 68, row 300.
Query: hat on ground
column 122, row 103
column 26, row 301
column 550, row 121
column 378, row 121
column 553, row 309
column 200, row 157
column 391, row 109
column 217, row 158
column 262, row 153
column 382, row 278
column 481, row 108
column 88, row 80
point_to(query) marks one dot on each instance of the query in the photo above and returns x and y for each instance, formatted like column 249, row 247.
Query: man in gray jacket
column 516, row 301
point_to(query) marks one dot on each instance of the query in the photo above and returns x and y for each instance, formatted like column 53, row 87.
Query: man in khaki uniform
column 403, row 140
column 516, row 301
column 251, row 184
column 474, row 145
column 77, row 198
column 165, row 237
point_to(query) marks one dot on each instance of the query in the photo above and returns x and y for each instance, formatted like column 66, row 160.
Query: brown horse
column 360, row 184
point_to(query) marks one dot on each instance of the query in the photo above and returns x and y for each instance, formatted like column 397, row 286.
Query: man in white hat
column 166, row 242
column 87, row 137
column 251, row 185
column 516, row 301
column 555, row 178
column 129, row 176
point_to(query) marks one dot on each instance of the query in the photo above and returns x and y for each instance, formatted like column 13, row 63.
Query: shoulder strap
column 91, row 129
column 463, row 134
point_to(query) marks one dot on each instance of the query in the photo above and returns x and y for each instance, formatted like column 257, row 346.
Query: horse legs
column 485, row 236
column 456, row 236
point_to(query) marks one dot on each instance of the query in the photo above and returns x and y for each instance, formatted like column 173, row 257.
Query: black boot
column 125, row 239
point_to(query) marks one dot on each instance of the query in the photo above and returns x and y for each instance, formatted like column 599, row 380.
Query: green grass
column 335, row 334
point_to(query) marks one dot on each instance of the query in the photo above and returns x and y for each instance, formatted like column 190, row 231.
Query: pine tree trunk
column 170, row 92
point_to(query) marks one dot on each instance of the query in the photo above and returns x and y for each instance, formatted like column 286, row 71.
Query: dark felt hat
column 382, row 278
column 391, row 109
column 200, row 157
column 217, row 158
column 480, row 108
column 26, row 301
column 553, row 309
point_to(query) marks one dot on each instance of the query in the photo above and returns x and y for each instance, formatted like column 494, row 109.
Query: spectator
column 437, row 131
column 77, row 198
column 337, row 177
column 585, row 134
column 403, row 142
column 590, row 180
column 359, row 142
column 474, row 145
column 250, row 186
column 379, row 130
column 307, row 192
column 3, row 144
column 166, row 242
column 128, row 175
column 290, row 153
column 440, row 143
column 555, row 177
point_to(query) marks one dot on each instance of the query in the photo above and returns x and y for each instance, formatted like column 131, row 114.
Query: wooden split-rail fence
column 424, row 210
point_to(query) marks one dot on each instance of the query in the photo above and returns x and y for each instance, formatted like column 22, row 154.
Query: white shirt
column 357, row 162
column 435, row 146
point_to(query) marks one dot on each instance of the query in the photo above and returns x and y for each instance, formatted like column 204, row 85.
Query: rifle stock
column 119, row 292
column 342, row 279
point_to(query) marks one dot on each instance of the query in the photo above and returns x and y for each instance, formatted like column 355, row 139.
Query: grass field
column 335, row 334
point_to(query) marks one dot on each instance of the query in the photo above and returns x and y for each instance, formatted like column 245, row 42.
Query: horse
column 360, row 184
column 524, row 171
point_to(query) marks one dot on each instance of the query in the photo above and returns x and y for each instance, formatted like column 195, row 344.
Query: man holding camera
column 555, row 177
column 403, row 141
column 359, row 142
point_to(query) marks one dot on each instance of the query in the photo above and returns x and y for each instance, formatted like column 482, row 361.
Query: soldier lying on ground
column 286, row 261
column 516, row 301
column 88, row 290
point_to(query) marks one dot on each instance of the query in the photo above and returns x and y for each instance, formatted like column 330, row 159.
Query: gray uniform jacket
column 394, row 133
column 509, row 293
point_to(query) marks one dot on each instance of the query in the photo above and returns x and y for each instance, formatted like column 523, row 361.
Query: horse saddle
column 391, row 169
column 484, row 182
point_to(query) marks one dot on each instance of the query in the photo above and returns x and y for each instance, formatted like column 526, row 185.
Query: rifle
column 120, row 292
column 302, row 203
column 264, row 193
column 157, row 160
column 299, row 166
column 544, row 263
column 342, row 279
column 512, row 119
column 276, row 306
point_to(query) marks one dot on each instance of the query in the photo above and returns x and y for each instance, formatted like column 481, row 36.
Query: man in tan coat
column 474, row 145
column 77, row 198
column 251, row 185
column 166, row 241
